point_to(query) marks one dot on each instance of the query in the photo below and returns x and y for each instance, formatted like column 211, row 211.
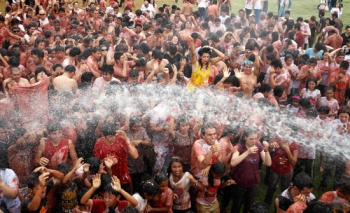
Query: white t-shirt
column 10, row 178
column 141, row 203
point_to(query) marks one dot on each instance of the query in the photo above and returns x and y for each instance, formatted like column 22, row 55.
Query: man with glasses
column 42, row 18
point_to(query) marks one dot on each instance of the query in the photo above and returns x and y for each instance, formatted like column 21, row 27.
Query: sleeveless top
column 56, row 154
column 182, row 190
column 198, row 78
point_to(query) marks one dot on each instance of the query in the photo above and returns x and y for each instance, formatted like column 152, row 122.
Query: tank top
column 199, row 77
column 56, row 154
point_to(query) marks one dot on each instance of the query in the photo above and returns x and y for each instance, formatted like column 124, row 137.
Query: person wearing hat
column 346, row 34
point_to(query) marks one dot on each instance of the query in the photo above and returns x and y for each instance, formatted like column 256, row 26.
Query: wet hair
column 94, row 163
column 160, row 177
column 323, row 110
column 74, row 52
column 129, row 209
column 175, row 159
column 157, row 54
column 302, row 180
column 118, row 55
column 38, row 70
column 344, row 109
column 133, row 73
column 37, row 52
column 107, row 69
column 108, row 129
column 109, row 189
column 311, row 79
column 207, row 126
column 64, row 168
column 134, row 120
column 305, row 103
column 311, row 113
column 33, row 180
column 217, row 168
column 259, row 207
column 172, row 49
column 270, row 57
column 246, row 133
column 148, row 187
column 312, row 61
column 278, row 91
column 344, row 65
column 316, row 206
column 69, row 69
column 276, row 63
column 265, row 88
column 53, row 126
column 55, row 66
column 13, row 61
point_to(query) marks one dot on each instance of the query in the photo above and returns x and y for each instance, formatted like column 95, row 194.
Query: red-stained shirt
column 336, row 203
column 4, row 33
column 280, row 163
column 163, row 199
column 119, row 149
column 299, row 39
column 340, row 86
column 316, row 73
column 56, row 154
column 98, row 206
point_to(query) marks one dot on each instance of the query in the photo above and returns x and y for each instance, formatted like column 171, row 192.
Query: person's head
column 108, row 131
column 209, row 134
column 94, row 163
column 149, row 189
column 302, row 184
column 277, row 65
column 135, row 124
column 162, row 180
column 58, row 68
column 230, row 132
column 133, row 76
column 340, row 57
column 34, row 185
column 288, row 59
column 343, row 114
column 343, row 67
column 96, row 53
column 304, row 104
column 182, row 125
column 216, row 171
column 40, row 72
column 265, row 89
column 70, row 70
column 278, row 91
column 248, row 66
column 129, row 209
column 316, row 206
column 295, row 100
column 323, row 112
column 54, row 130
column 311, row 84
column 107, row 72
column 249, row 137
column 343, row 190
column 259, row 207
column 204, row 55
column 270, row 57
column 176, row 167
column 157, row 56
column 110, row 196
column 37, row 55
column 329, row 92
column 15, row 74
column 74, row 52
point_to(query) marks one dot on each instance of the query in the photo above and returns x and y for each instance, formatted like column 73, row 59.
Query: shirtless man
column 187, row 8
column 36, row 60
column 14, row 80
column 157, row 63
column 156, row 39
column 65, row 81
column 247, row 78
column 92, row 61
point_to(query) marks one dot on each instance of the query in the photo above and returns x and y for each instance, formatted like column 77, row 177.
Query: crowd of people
column 109, row 108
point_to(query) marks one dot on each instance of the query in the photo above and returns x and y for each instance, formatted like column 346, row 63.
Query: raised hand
column 110, row 161
column 116, row 184
column 96, row 181
column 253, row 150
column 78, row 164
column 43, row 161
column 86, row 168
column 43, row 177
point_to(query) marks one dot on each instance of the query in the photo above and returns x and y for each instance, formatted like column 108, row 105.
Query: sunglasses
column 16, row 31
